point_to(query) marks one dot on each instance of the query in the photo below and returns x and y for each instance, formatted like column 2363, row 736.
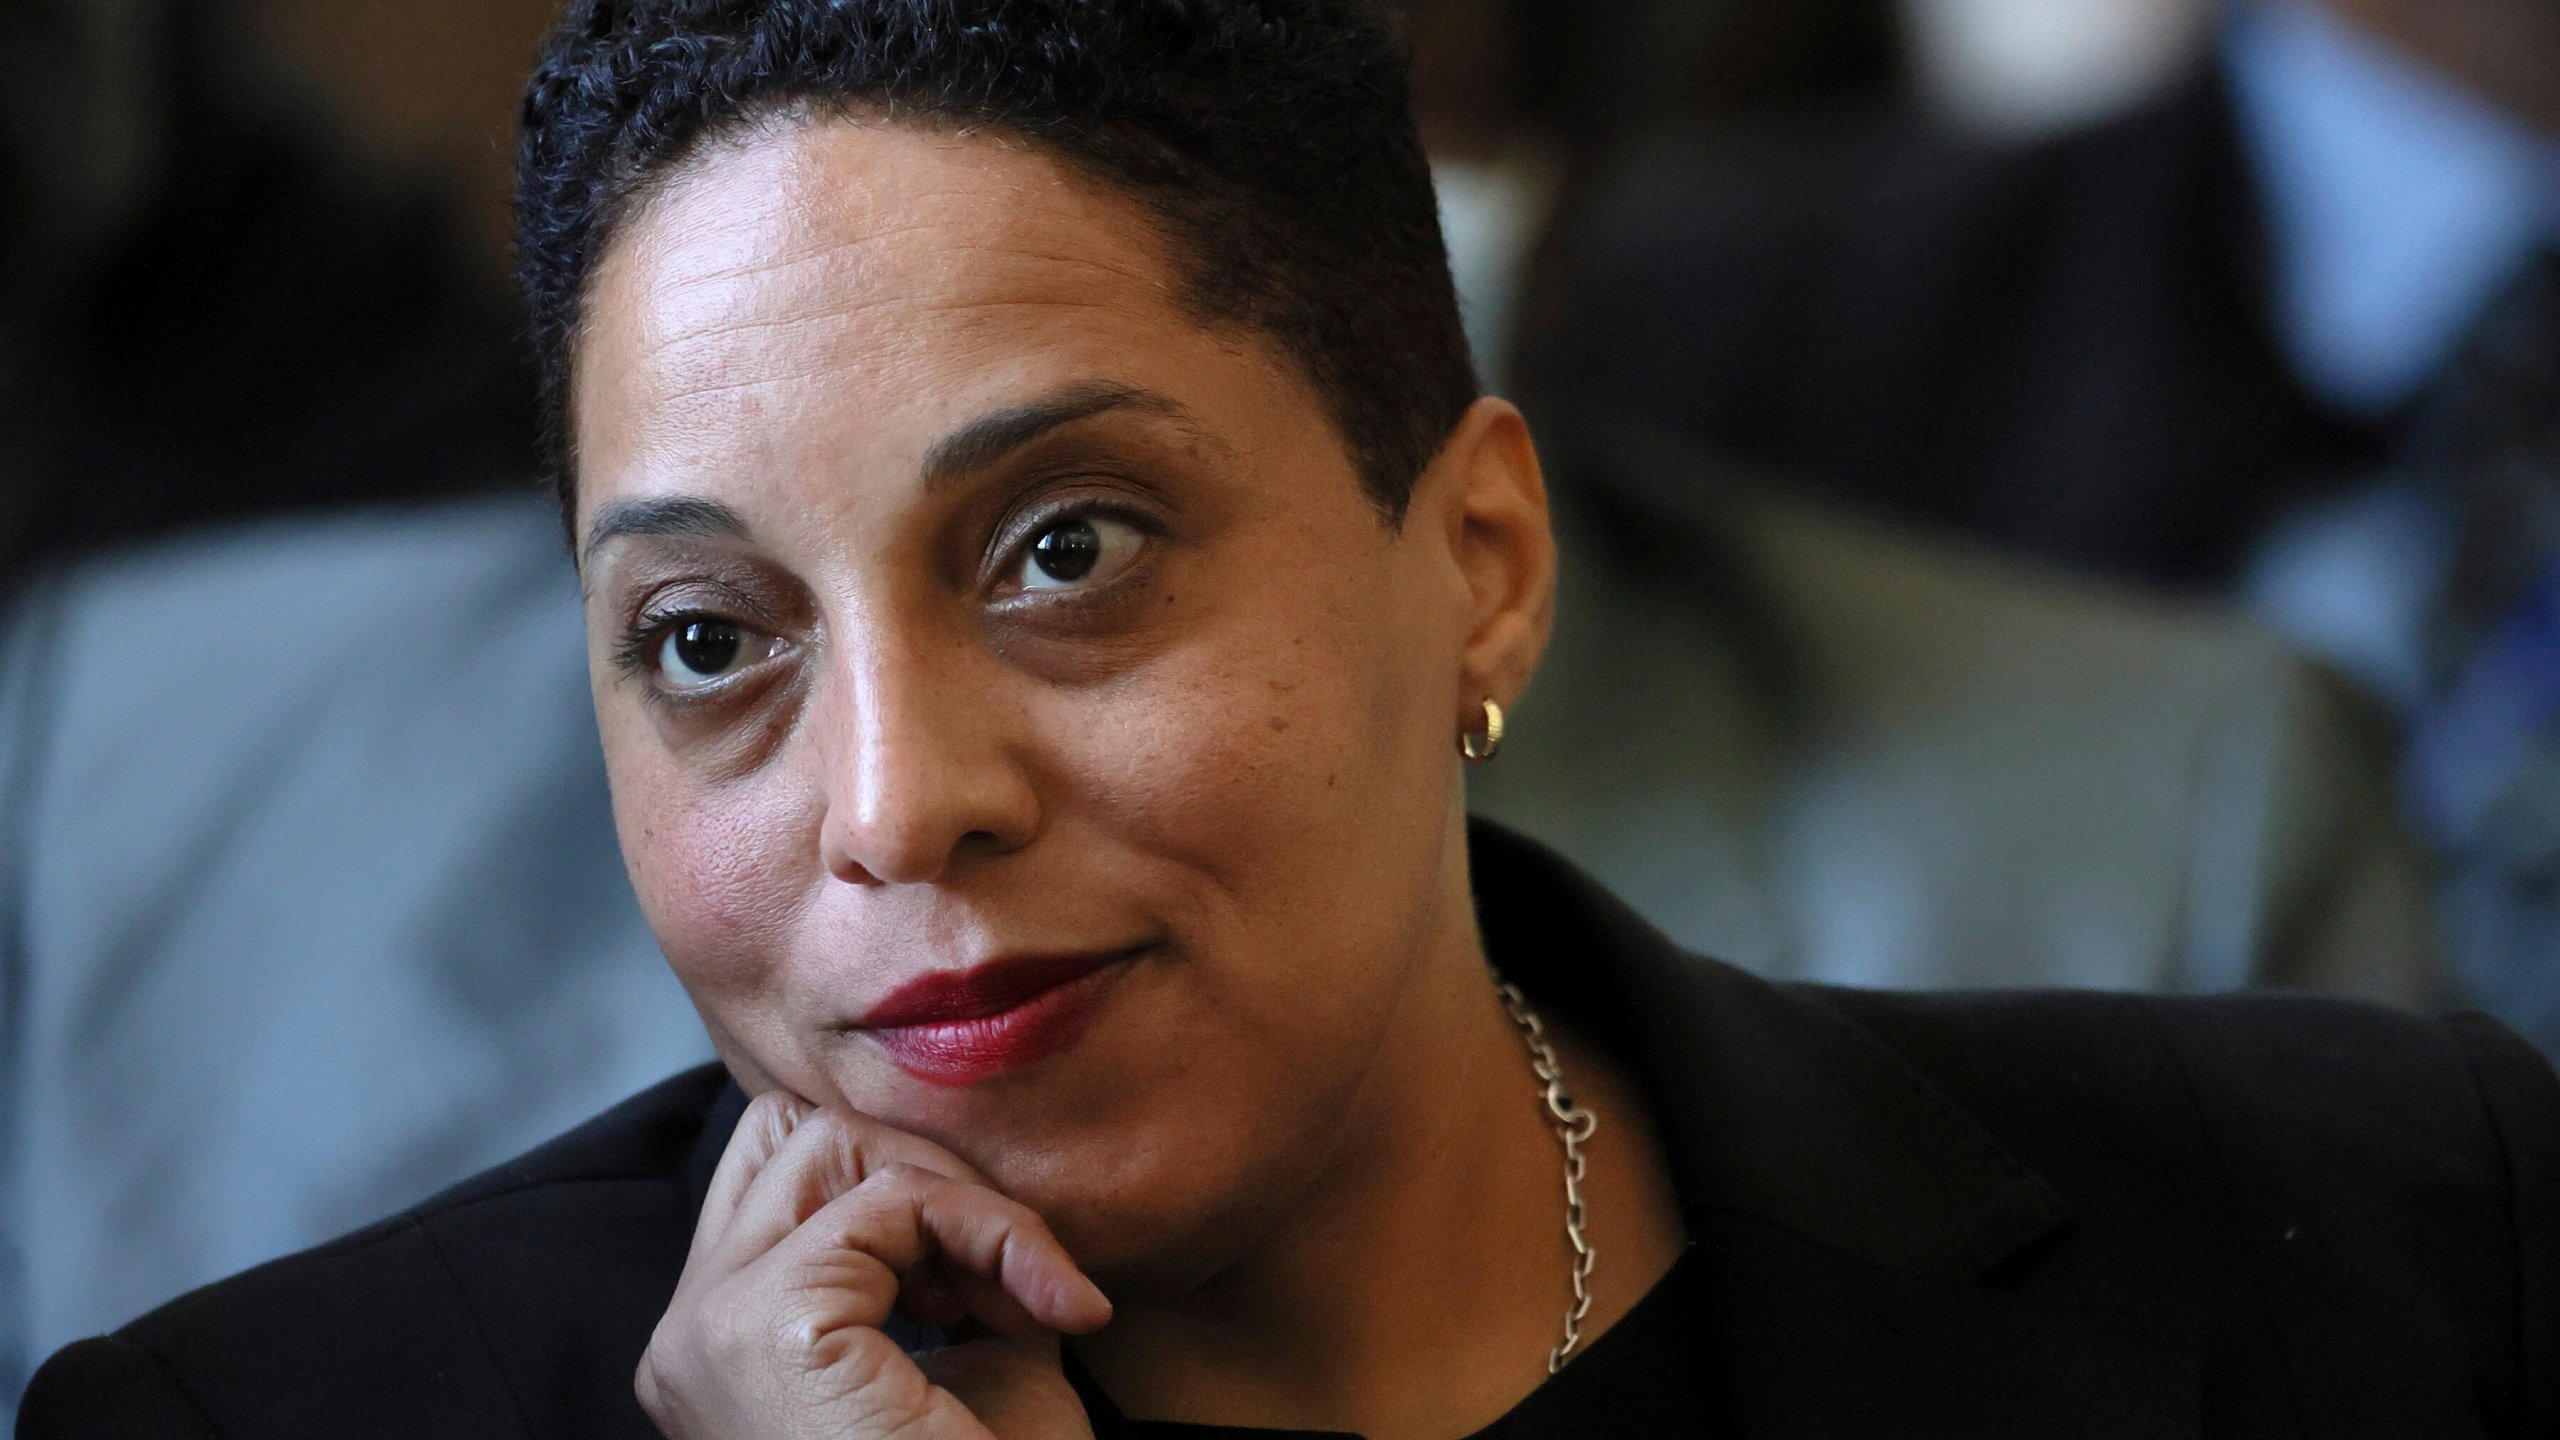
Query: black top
column 1636, row 1379
column 2017, row 1215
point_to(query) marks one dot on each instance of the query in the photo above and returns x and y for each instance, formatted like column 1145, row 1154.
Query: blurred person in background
column 2101, row 348
column 1815, row 748
column 2282, row 332
column 1049, row 566
column 1802, row 740
column 212, row 305
column 1516, row 97
column 325, row 788
column 1832, row 748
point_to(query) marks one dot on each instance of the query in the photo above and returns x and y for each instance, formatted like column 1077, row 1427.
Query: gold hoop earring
column 1480, row 748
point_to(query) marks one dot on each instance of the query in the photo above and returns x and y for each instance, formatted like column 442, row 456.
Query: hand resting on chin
column 818, row 1226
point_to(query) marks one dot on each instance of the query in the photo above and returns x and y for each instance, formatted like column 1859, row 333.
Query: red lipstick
column 958, row 1027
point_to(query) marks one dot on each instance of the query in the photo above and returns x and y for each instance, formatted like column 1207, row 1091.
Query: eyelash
column 635, row 654
column 1008, row 559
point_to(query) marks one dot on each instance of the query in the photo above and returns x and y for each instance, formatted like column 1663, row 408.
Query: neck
column 1433, row 1247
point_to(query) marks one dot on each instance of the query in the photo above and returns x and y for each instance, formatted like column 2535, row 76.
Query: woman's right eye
column 699, row 651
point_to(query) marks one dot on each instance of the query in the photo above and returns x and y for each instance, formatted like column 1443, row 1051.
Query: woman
column 1047, row 570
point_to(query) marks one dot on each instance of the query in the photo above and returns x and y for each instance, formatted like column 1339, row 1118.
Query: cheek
column 721, row 870
column 1283, row 792
column 1285, row 764
column 1217, row 746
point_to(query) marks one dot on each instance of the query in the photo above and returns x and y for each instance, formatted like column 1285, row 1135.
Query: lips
column 963, row 1026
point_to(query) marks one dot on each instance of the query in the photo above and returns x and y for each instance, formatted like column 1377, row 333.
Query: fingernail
column 1086, row 1298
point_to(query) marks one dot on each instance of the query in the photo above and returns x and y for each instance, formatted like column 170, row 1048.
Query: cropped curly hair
column 1272, row 142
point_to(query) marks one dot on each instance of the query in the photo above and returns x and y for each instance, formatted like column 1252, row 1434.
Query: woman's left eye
column 1085, row 550
column 699, row 651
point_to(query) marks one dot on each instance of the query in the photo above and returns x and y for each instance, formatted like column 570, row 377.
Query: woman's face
column 957, row 601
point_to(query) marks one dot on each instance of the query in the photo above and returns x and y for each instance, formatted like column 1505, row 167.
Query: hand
column 817, row 1226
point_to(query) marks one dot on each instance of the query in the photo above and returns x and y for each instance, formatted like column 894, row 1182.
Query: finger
column 768, row 1122
column 927, row 1297
column 854, row 1261
column 905, row 1216
column 1013, row 1387
column 829, row 1153
column 985, row 1300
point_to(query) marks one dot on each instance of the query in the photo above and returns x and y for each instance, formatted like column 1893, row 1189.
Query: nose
column 921, row 770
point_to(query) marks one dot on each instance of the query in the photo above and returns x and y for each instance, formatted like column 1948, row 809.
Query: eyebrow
column 971, row 448
column 989, row 438
column 682, row 515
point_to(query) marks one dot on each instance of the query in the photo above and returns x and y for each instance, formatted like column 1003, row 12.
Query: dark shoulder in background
column 214, row 306
column 1983, row 1215
column 2066, row 347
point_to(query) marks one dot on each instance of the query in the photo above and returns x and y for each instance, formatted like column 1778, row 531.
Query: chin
column 1140, row 1242
column 1149, row 1209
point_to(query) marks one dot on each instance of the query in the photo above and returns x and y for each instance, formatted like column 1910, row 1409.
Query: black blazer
column 2066, row 347
column 2028, row 1215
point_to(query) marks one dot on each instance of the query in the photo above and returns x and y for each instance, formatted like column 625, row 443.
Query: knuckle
column 812, row 1134
column 668, row 1375
column 771, row 1118
column 818, row 1162
column 824, row 1126
column 840, row 1286
column 678, row 1333
column 1020, row 1248
column 778, row 1105
column 902, row 1175
column 891, row 1188
column 1025, row 1220
column 1015, row 1224
column 860, row 1354
column 727, row 1327
column 826, row 1336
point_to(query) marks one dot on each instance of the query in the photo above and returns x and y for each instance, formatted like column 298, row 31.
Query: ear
column 1489, row 496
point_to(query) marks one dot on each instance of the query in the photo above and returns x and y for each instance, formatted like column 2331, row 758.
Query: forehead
column 829, row 280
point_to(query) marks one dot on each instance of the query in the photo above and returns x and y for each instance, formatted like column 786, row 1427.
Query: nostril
column 849, row 870
column 903, row 814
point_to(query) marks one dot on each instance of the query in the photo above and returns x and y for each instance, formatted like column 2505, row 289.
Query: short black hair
column 1271, row 140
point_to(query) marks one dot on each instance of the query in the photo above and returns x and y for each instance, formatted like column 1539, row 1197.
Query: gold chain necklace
column 1573, row 1127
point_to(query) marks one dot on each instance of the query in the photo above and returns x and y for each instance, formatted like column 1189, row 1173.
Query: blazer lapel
column 1806, row 1342
column 1853, row 1221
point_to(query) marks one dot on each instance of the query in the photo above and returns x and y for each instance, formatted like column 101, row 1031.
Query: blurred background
column 2054, row 492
